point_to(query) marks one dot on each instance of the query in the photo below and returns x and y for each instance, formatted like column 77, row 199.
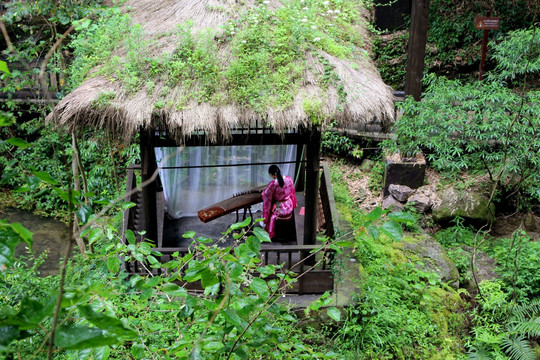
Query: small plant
column 376, row 177
column 334, row 143
column 504, row 329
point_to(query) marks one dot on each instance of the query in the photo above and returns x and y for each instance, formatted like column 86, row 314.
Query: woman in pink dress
column 279, row 199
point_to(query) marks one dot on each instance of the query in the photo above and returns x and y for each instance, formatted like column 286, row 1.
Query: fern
column 530, row 328
column 521, row 313
column 479, row 354
column 518, row 348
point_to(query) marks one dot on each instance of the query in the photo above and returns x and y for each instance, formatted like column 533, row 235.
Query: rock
column 400, row 192
column 433, row 256
column 531, row 222
column 389, row 201
column 424, row 198
column 367, row 165
column 484, row 269
column 429, row 190
column 361, row 195
column 421, row 202
column 469, row 205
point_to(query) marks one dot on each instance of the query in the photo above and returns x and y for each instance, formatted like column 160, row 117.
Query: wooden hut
column 228, row 72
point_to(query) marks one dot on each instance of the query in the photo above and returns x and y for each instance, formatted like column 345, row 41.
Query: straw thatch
column 363, row 95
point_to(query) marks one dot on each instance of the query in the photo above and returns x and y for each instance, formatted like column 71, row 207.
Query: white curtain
column 187, row 190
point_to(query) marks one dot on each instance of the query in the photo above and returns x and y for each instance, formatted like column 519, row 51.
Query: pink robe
column 277, row 202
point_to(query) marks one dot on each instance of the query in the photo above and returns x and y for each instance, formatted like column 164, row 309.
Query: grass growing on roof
column 258, row 59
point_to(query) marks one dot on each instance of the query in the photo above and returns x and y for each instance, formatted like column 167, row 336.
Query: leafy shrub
column 451, row 34
column 334, row 143
column 503, row 329
column 518, row 266
column 516, row 55
column 105, row 311
column 390, row 55
column 471, row 126
column 36, row 152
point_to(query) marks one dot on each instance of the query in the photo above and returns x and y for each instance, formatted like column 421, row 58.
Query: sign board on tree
column 486, row 23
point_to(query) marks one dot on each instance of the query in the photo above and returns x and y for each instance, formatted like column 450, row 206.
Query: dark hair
column 274, row 170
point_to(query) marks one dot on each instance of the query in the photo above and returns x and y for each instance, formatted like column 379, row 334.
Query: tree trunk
column 417, row 48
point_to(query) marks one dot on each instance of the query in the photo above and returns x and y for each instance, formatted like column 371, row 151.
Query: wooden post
column 483, row 56
column 313, row 153
column 148, row 167
column 417, row 48
column 484, row 51
column 300, row 168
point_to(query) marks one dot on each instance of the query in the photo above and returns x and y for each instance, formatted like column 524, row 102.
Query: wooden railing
column 26, row 87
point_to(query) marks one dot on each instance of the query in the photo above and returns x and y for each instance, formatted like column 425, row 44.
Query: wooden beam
column 417, row 48
column 237, row 139
column 313, row 150
column 148, row 167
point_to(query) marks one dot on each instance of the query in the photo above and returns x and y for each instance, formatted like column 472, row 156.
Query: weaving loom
column 243, row 200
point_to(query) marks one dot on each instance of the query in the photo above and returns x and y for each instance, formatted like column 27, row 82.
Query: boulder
column 424, row 198
column 469, row 205
column 361, row 195
column 433, row 257
column 484, row 269
column 389, row 201
column 421, row 202
column 531, row 222
column 400, row 192
column 367, row 165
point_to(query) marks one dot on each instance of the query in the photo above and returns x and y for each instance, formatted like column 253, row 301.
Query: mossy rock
column 469, row 205
column 433, row 256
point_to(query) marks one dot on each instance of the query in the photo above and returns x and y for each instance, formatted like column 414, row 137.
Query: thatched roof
column 218, row 64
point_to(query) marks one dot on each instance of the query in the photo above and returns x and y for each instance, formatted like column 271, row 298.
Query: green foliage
column 3, row 67
column 403, row 311
column 11, row 235
column 518, row 266
column 63, row 13
column 502, row 329
column 471, row 126
column 264, row 69
column 390, row 55
column 107, row 313
column 25, row 159
column 33, row 27
column 452, row 38
column 376, row 178
column 454, row 45
column 458, row 241
column 516, row 55
column 334, row 143
column 313, row 109
column 95, row 44
column 31, row 165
